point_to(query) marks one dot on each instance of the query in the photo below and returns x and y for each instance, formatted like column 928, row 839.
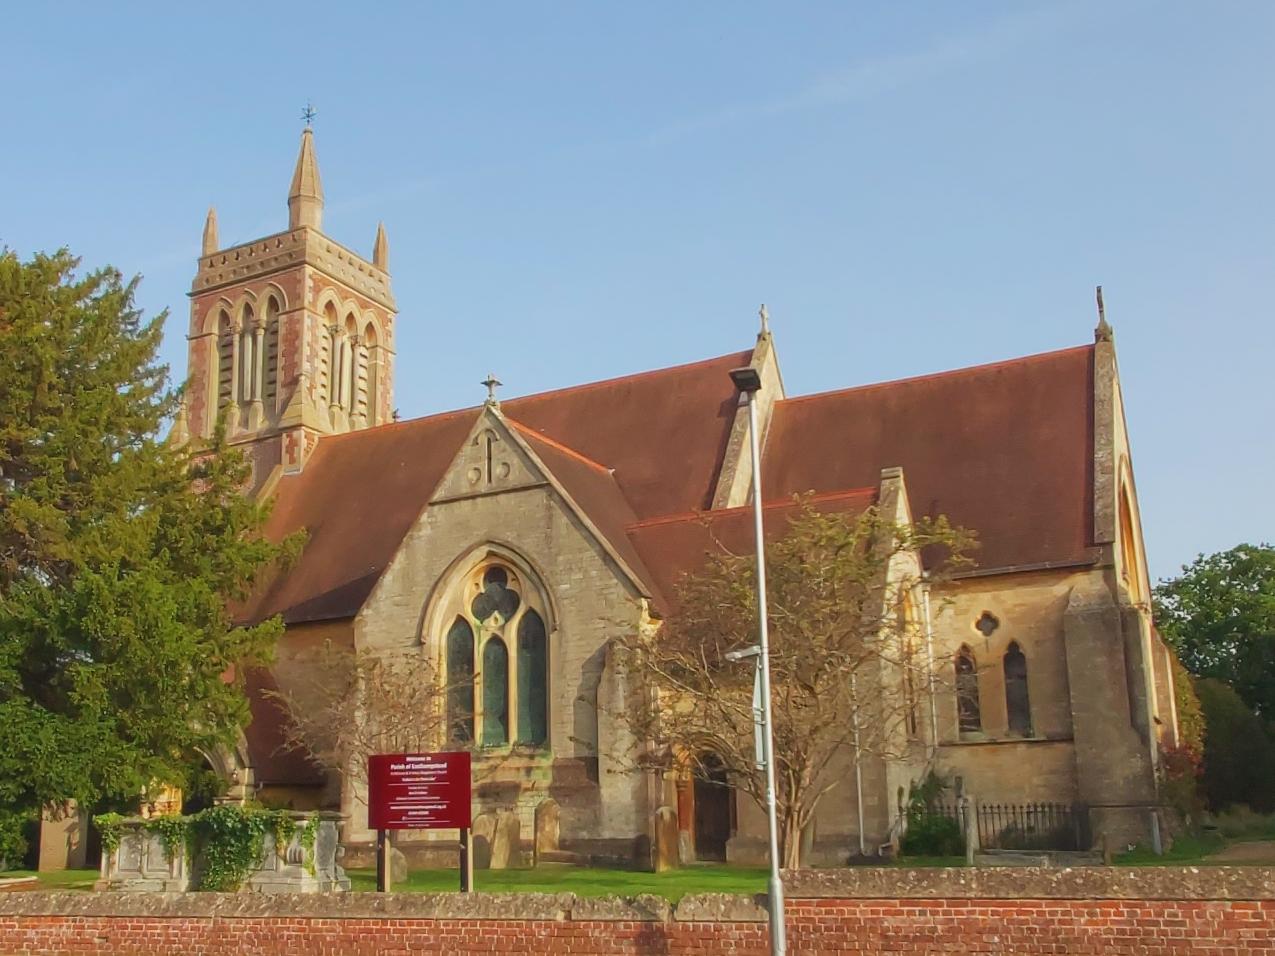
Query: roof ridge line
column 385, row 426
column 620, row 378
column 946, row 373
column 766, row 506
column 565, row 449
column 552, row 391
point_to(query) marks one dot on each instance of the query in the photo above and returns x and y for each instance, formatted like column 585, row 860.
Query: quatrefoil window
column 496, row 597
column 987, row 624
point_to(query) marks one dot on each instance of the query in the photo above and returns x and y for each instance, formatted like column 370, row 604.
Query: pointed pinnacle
column 305, row 198
column 210, row 231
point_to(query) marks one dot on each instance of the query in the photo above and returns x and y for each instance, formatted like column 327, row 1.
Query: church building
column 509, row 543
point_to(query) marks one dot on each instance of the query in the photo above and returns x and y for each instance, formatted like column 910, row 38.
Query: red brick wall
column 912, row 926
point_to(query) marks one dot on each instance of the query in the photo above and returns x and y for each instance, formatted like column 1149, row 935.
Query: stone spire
column 305, row 198
column 381, row 249
column 1103, row 332
column 210, row 231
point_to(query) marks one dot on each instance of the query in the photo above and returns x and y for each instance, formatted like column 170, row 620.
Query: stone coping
column 1078, row 883
column 1056, row 883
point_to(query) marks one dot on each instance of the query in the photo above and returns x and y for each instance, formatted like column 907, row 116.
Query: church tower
column 291, row 336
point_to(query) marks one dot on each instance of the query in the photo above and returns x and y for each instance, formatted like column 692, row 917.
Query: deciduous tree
column 848, row 663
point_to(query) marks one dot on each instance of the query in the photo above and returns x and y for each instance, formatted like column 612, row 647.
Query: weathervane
column 309, row 113
column 492, row 383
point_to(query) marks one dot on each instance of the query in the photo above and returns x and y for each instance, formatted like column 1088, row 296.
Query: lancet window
column 1017, row 701
column 968, row 709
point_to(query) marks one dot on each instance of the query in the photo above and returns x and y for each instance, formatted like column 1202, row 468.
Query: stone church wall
column 589, row 603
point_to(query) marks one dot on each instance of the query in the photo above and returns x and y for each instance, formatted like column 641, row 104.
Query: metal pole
column 929, row 664
column 858, row 769
column 382, row 861
column 778, row 942
column 466, row 860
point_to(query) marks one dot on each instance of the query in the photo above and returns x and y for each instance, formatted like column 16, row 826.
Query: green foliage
column 1219, row 615
column 1239, row 752
column 229, row 841
column 1190, row 714
column 13, row 841
column 174, row 831
column 309, row 833
column 930, row 833
column 933, row 835
column 119, row 554
column 110, row 826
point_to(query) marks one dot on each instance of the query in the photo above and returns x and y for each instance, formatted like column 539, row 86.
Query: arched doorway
column 205, row 785
column 714, row 809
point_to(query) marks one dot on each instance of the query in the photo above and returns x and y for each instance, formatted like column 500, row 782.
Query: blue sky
column 574, row 191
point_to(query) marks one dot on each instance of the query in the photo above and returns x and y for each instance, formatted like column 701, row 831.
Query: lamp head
column 746, row 379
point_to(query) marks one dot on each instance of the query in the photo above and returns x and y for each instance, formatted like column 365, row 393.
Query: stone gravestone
column 398, row 866
column 482, row 832
column 547, row 829
column 506, row 845
column 667, row 851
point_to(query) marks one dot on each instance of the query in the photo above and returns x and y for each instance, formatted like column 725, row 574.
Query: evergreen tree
column 119, row 553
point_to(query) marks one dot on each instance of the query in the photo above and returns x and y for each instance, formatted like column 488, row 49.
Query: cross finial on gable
column 492, row 384
column 764, row 313
column 1103, row 332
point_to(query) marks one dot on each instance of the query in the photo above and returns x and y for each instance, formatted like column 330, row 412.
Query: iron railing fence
column 1022, row 826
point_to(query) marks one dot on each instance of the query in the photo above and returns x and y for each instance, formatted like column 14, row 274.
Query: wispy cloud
column 877, row 76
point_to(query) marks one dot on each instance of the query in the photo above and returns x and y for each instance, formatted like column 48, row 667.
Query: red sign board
column 418, row 791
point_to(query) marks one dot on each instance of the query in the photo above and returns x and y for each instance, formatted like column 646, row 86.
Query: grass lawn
column 584, row 881
column 925, row 862
column 1187, row 848
column 59, row 879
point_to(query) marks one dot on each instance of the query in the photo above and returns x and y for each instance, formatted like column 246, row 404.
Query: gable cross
column 492, row 384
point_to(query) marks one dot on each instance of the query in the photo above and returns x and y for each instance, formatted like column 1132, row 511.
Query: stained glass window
column 1017, row 703
column 495, row 693
column 460, row 682
column 533, row 674
column 967, row 703
column 496, row 596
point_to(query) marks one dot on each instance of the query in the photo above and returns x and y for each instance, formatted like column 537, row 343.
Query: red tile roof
column 1003, row 449
column 676, row 545
column 273, row 762
column 661, row 434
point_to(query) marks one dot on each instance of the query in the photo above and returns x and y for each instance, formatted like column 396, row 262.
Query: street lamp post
column 748, row 381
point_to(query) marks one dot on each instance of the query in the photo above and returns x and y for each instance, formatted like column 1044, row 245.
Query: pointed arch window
column 349, row 362
column 498, row 623
column 1017, row 701
column 225, row 360
column 968, row 709
column 271, row 371
column 246, row 392
column 533, row 680
column 327, row 356
column 460, row 683
column 495, row 693
column 372, row 369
